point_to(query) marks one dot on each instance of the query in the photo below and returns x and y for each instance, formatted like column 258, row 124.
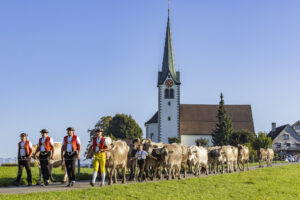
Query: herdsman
column 71, row 146
column 24, row 156
column 99, row 148
column 45, row 147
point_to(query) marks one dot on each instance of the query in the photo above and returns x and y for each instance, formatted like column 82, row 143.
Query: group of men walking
column 70, row 151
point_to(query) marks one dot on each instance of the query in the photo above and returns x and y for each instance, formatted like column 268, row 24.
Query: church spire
column 168, row 65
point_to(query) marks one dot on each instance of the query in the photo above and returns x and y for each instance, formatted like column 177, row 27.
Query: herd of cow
column 169, row 158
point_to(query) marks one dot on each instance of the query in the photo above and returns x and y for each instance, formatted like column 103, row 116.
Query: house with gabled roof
column 286, row 138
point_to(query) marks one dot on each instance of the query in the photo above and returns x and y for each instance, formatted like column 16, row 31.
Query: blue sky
column 67, row 63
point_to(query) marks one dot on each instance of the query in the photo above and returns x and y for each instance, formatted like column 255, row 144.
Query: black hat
column 99, row 130
column 23, row 135
column 44, row 131
column 70, row 129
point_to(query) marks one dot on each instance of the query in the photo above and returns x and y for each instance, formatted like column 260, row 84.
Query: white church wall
column 169, row 114
column 189, row 140
column 152, row 129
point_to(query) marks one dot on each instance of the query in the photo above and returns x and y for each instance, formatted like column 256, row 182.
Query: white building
column 188, row 122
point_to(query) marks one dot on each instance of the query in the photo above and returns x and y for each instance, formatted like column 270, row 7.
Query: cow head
column 165, row 155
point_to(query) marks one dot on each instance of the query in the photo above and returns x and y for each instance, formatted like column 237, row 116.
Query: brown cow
column 56, row 162
column 171, row 156
column 117, row 157
column 243, row 156
column 132, row 164
column 152, row 167
column 214, row 159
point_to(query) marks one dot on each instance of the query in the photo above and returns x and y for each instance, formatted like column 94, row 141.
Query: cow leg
column 124, row 174
column 116, row 170
column 178, row 171
column 110, row 175
column 50, row 172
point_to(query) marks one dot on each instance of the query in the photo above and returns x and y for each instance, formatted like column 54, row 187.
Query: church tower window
column 167, row 94
column 171, row 93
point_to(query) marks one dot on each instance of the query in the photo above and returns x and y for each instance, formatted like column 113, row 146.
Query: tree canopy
column 124, row 126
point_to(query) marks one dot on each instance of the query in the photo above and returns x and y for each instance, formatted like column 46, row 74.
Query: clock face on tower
column 169, row 83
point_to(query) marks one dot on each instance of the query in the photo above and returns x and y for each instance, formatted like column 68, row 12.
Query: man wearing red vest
column 71, row 146
column 24, row 156
column 99, row 148
column 45, row 146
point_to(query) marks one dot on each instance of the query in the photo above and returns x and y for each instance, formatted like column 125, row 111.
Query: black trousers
column 141, row 164
column 70, row 160
column 44, row 161
column 24, row 162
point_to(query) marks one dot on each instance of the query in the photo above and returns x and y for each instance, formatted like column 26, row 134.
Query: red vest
column 74, row 142
column 47, row 144
column 27, row 148
column 100, row 145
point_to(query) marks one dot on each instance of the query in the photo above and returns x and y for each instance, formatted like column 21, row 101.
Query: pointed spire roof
column 168, row 65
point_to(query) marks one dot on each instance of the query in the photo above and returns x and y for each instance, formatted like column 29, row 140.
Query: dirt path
column 85, row 184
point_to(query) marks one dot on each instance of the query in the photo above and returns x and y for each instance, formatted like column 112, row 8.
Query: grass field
column 267, row 184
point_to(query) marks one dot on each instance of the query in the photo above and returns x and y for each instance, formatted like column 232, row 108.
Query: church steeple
column 168, row 65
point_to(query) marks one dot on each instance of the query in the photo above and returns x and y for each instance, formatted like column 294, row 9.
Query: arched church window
column 171, row 93
column 151, row 136
column 167, row 94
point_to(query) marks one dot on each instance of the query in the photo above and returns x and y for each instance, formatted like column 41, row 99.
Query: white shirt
column 69, row 147
column 141, row 155
column 98, row 141
column 43, row 144
column 22, row 149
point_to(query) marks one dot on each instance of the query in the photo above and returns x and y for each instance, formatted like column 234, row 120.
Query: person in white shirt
column 24, row 156
column 71, row 146
column 46, row 149
column 141, row 156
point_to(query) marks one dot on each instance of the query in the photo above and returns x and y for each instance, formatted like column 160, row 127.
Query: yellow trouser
column 100, row 160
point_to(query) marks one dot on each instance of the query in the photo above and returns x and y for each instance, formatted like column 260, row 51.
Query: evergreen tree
column 224, row 127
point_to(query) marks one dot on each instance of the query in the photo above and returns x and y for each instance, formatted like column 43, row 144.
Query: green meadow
column 273, row 183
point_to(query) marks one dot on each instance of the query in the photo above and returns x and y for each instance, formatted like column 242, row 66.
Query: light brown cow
column 56, row 162
column 171, row 156
column 116, row 157
column 235, row 157
column 198, row 158
column 263, row 156
column 227, row 155
column 270, row 157
column 243, row 157
column 185, row 156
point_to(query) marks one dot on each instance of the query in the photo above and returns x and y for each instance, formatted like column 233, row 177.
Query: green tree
column 102, row 123
column 174, row 140
column 262, row 141
column 224, row 127
column 241, row 137
column 202, row 142
column 124, row 126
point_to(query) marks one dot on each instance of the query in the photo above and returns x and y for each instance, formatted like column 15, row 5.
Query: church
column 188, row 122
